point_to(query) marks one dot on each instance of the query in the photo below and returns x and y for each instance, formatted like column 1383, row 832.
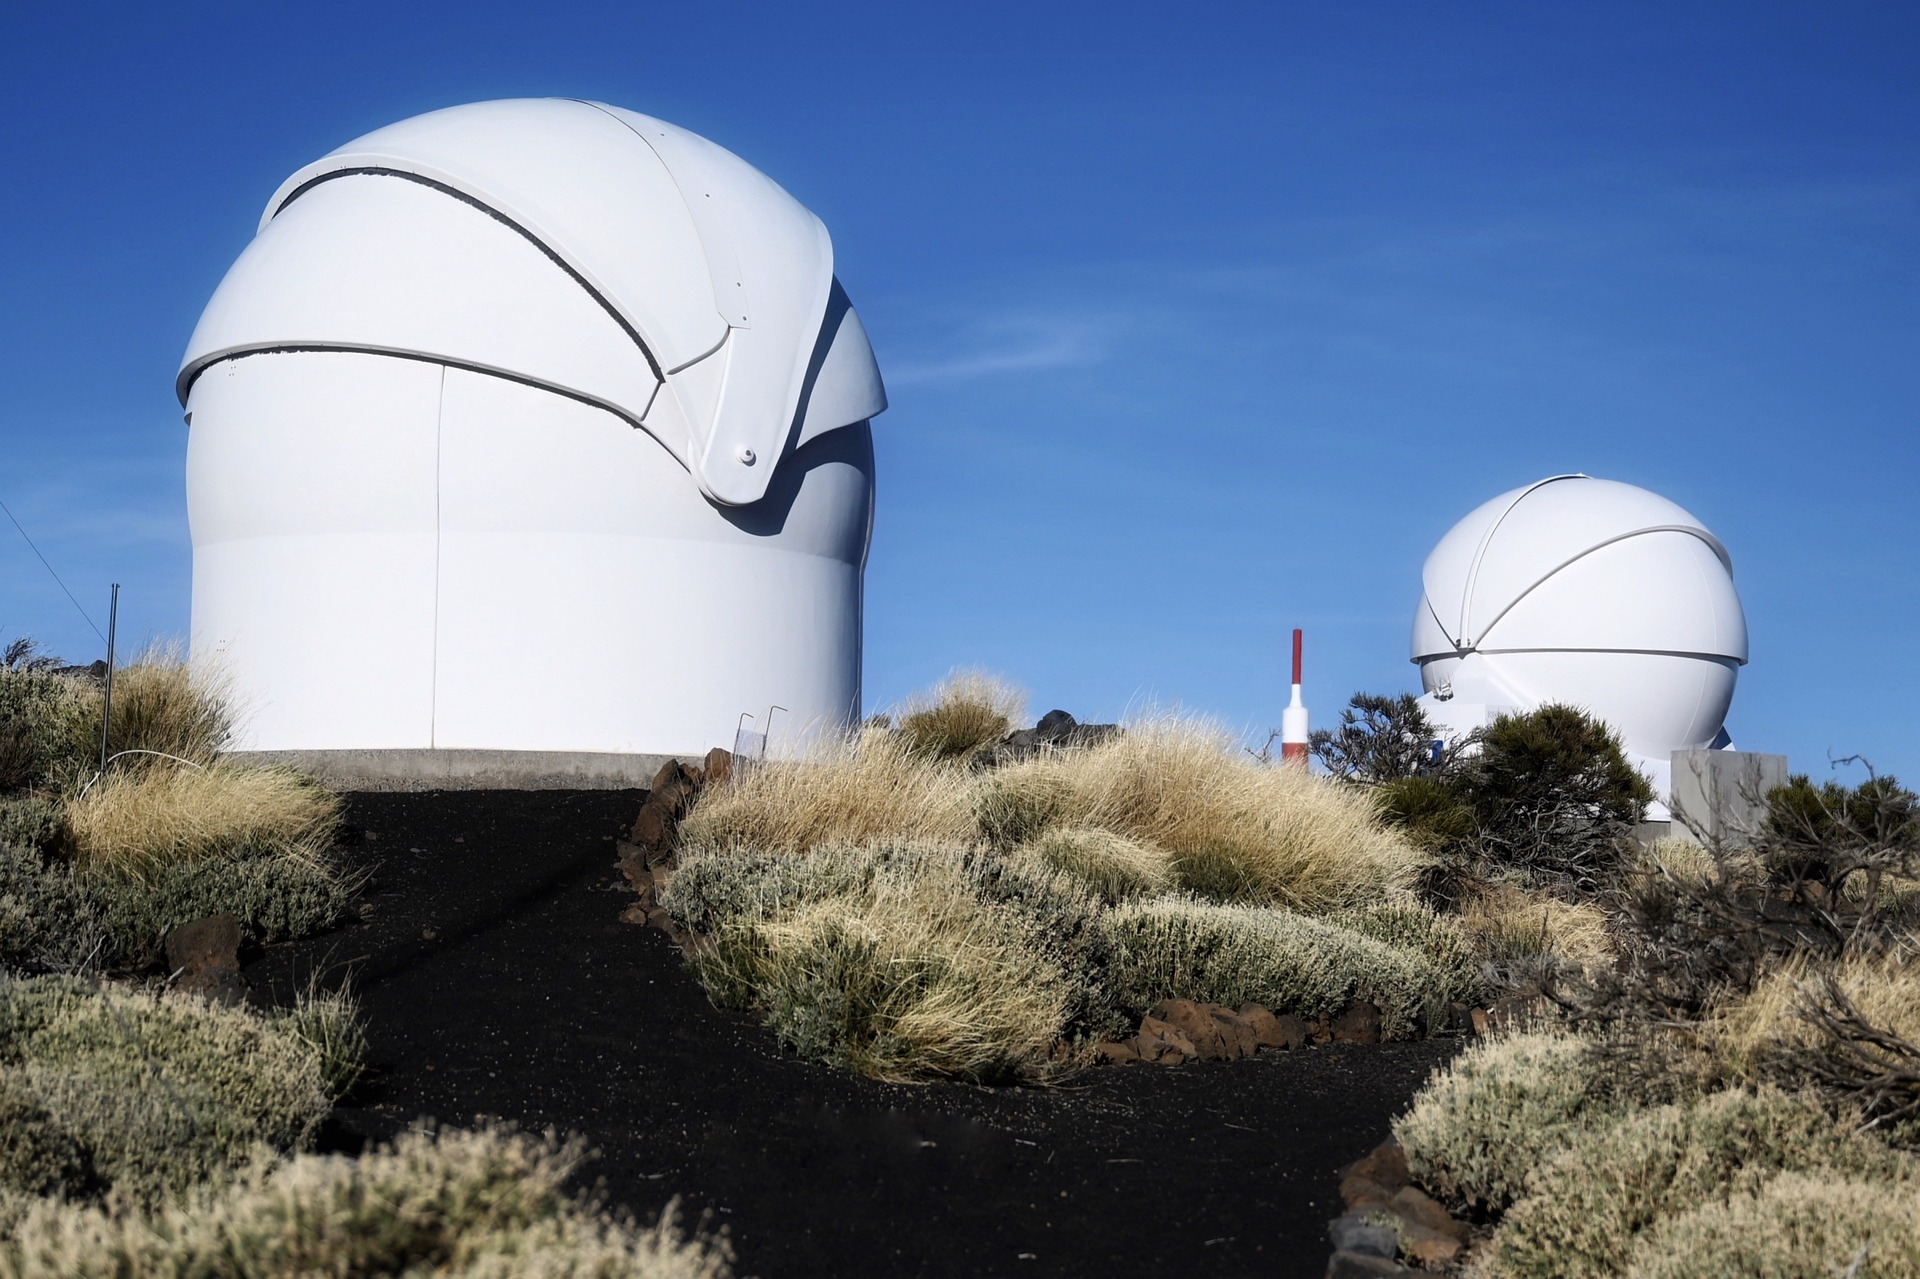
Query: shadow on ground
column 497, row 980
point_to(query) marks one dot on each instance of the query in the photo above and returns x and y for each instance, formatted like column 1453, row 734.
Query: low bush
column 901, row 961
column 57, row 917
column 156, row 1094
column 1111, row 867
column 49, row 728
column 965, row 714
column 1500, row 1110
column 857, row 790
column 1584, row 1208
column 464, row 1205
column 1446, row 944
column 1797, row 1226
column 1179, row 948
column 30, row 821
column 1233, row 828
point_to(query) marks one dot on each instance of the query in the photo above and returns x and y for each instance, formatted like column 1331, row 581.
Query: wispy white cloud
column 1021, row 341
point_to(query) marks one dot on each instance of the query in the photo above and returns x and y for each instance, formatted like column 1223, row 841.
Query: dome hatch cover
column 674, row 283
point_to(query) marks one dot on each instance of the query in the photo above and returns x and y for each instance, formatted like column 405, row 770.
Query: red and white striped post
column 1293, row 720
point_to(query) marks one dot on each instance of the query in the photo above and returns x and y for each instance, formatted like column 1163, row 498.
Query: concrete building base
column 419, row 770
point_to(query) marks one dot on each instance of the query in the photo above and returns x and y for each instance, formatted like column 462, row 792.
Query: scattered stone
column 1191, row 1020
column 1267, row 1030
column 1481, row 1023
column 220, row 985
column 429, row 933
column 204, row 956
column 719, row 766
column 1364, row 1232
column 1362, row 1265
column 1359, row 1024
column 1414, row 1205
column 1430, row 1248
column 1056, row 730
column 213, row 942
column 1161, row 1042
column 1363, row 1194
column 1385, row 1165
column 1123, row 1053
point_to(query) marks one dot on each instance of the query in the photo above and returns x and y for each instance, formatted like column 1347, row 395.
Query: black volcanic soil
column 496, row 979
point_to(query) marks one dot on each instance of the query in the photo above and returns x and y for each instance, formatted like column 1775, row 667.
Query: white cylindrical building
column 1587, row 592
column 530, row 426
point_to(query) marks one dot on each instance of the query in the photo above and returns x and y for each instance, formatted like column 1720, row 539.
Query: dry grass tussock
column 1111, row 867
column 856, row 790
column 900, row 964
column 163, row 704
column 1233, row 828
column 1522, row 936
column 139, row 821
column 1752, row 1030
column 961, row 716
column 459, row 1205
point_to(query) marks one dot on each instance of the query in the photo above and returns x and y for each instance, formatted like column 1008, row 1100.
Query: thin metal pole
column 106, row 709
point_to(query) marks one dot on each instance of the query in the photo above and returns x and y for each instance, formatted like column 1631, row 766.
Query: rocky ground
column 498, row 979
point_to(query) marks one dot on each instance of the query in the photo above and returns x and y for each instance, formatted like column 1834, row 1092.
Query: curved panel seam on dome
column 446, row 361
column 1463, row 633
column 552, row 254
column 1466, row 642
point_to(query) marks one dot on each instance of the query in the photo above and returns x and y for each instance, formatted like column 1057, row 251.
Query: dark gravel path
column 497, row 980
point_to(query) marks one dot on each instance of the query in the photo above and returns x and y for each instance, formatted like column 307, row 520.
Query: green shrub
column 159, row 1093
column 1822, row 835
column 1179, row 948
column 1554, row 796
column 1501, row 1109
column 1433, row 811
column 1379, row 739
column 1111, row 867
column 1583, row 1209
column 1797, row 1226
column 453, row 1205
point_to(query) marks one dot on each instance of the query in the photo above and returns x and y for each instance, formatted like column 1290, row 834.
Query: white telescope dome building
column 1587, row 592
column 530, row 426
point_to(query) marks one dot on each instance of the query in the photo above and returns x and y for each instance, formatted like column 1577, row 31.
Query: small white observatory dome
column 530, row 425
column 1587, row 592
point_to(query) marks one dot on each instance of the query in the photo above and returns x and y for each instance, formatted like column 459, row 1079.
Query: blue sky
column 1200, row 322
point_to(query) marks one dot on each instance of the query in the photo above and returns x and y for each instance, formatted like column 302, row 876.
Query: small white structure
column 530, row 425
column 1592, row 593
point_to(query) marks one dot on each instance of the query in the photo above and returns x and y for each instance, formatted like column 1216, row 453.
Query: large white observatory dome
column 530, row 425
column 1587, row 592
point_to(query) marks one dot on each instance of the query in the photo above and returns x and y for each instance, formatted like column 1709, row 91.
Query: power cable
column 56, row 576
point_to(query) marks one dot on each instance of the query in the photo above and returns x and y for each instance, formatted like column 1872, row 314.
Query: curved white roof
column 1576, row 563
column 576, row 246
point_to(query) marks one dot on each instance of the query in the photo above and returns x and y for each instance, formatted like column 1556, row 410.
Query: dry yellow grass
column 905, row 975
column 858, row 790
column 139, row 821
column 1509, row 925
column 1234, row 828
column 1112, row 867
column 961, row 716
column 162, row 704
column 1755, row 1027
